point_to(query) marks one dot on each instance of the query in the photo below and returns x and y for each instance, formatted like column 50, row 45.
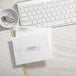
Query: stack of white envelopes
column 32, row 45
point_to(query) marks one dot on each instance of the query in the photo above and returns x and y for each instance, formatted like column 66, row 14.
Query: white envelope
column 33, row 47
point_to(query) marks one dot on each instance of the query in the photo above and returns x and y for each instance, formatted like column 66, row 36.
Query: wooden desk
column 64, row 51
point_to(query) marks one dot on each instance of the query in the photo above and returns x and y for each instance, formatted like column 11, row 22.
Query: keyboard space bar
column 55, row 24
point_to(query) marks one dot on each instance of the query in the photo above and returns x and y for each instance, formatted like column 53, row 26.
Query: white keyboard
column 47, row 13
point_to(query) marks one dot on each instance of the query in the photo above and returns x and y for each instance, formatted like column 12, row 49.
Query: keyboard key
column 34, row 22
column 52, row 19
column 39, row 12
column 22, row 10
column 27, row 23
column 31, row 17
column 43, row 20
column 40, row 16
column 68, row 21
column 23, row 14
column 39, row 21
column 48, row 19
column 45, row 15
column 36, row 17
column 73, row 20
column 25, row 19
column 34, row 13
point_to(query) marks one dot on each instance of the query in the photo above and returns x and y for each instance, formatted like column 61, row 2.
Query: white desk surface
column 64, row 51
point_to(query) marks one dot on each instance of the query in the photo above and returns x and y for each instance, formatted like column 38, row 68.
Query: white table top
column 64, row 50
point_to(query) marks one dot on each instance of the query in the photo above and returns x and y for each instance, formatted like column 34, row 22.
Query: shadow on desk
column 2, row 29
